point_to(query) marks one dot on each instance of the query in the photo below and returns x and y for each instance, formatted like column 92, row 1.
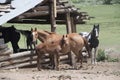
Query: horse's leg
column 73, row 60
column 91, row 56
column 78, row 55
column 56, row 61
column 27, row 47
column 31, row 48
column 70, row 58
column 38, row 60
column 34, row 44
column 15, row 47
column 28, row 44
column 52, row 61
column 95, row 55
column 81, row 58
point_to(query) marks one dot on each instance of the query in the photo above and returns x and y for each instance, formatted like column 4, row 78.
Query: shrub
column 100, row 55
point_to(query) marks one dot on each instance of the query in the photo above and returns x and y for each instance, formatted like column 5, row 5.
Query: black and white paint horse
column 9, row 34
column 31, row 43
column 93, row 40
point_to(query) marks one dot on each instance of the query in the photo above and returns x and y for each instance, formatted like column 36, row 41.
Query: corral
column 109, row 41
column 51, row 12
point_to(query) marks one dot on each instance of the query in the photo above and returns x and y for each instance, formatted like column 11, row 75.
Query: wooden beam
column 46, row 8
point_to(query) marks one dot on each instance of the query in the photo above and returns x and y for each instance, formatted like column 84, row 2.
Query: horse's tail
column 87, row 46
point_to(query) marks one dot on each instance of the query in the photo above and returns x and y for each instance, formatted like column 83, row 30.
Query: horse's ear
column 35, row 29
column 94, row 24
column 63, row 36
column 31, row 29
column 66, row 35
column 98, row 25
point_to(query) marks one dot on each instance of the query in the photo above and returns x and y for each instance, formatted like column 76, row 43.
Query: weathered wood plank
column 18, row 61
column 5, row 52
column 3, row 46
column 28, row 62
column 17, row 55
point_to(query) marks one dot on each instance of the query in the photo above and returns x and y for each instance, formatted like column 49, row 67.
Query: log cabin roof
column 41, row 14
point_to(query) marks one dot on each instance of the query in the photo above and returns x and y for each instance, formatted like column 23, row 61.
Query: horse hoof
column 57, row 69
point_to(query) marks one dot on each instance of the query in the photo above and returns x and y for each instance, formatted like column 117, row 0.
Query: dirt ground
column 99, row 71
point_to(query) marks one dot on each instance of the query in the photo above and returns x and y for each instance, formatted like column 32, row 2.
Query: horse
column 29, row 38
column 93, row 40
column 75, row 43
column 9, row 34
column 54, row 44
column 51, row 46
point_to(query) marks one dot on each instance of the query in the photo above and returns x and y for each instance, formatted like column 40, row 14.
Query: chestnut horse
column 55, row 44
column 75, row 43
column 51, row 46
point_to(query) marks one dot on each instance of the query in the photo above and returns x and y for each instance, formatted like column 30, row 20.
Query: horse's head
column 34, row 34
column 95, row 31
column 65, row 40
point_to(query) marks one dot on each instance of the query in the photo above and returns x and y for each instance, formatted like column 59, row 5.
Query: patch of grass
column 109, row 59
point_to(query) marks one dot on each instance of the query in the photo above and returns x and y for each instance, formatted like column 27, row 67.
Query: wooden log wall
column 26, row 58
column 4, row 50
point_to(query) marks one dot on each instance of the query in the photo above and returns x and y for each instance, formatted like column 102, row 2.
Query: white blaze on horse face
column 34, row 36
column 66, row 41
column 65, row 38
column 96, row 31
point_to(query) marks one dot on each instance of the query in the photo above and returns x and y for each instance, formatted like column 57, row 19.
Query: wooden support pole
column 73, row 24
column 68, row 22
column 52, row 16
column 69, row 30
column 55, row 8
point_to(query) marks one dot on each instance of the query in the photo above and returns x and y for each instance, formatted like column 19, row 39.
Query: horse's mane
column 49, row 32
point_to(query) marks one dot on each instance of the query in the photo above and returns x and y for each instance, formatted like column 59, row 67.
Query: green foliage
column 100, row 55
column 109, row 59
column 107, row 1
column 94, row 2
